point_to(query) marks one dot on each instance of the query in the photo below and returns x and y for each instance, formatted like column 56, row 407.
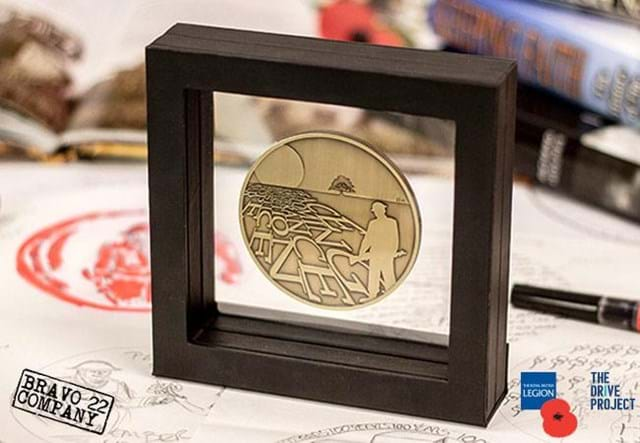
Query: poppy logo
column 558, row 421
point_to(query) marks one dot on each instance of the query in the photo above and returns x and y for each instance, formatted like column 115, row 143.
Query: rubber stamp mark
column 62, row 401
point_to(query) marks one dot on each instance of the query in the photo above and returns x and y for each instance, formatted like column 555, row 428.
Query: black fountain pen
column 607, row 311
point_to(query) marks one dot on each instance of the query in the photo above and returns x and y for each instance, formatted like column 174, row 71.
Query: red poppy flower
column 558, row 421
column 353, row 20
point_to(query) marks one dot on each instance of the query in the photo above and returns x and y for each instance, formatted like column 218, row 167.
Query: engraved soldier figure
column 380, row 248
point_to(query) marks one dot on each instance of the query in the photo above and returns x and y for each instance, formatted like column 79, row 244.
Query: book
column 37, row 111
column 590, row 60
column 72, row 76
column 626, row 10
column 585, row 156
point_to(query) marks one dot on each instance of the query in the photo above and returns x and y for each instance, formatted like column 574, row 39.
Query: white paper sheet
column 105, row 346
column 102, row 208
column 556, row 243
column 260, row 418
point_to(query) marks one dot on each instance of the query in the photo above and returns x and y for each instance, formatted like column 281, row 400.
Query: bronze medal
column 329, row 220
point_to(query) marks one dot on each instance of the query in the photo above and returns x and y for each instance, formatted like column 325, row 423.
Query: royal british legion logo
column 536, row 388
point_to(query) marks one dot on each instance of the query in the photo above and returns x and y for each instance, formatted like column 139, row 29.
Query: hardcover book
column 588, row 59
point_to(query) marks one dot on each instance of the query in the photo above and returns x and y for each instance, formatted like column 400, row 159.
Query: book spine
column 551, row 49
column 550, row 152
column 627, row 10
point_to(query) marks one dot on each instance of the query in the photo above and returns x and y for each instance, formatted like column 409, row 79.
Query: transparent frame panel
column 421, row 148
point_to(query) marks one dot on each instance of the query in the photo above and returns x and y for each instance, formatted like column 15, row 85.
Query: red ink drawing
column 101, row 260
column 122, row 272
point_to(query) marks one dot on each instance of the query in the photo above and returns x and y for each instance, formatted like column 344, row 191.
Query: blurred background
column 72, row 85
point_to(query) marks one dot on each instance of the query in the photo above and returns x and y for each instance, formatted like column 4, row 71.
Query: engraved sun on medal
column 329, row 220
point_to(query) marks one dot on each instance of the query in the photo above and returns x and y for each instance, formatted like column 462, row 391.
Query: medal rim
column 386, row 162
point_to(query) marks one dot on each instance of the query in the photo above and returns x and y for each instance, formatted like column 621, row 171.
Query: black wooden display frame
column 192, row 340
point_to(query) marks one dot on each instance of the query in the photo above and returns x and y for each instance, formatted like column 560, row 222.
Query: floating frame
column 464, row 382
